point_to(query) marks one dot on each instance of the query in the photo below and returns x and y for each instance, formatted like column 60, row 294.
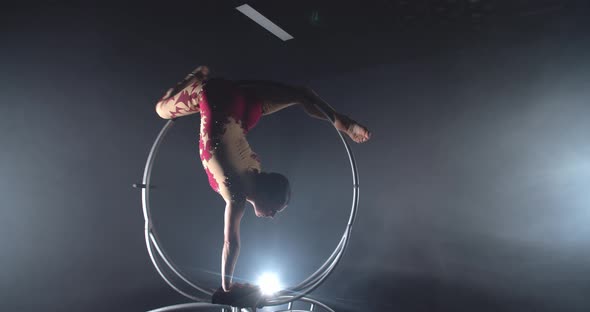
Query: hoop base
column 201, row 306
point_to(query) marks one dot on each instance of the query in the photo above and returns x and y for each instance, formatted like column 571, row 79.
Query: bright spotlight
column 269, row 283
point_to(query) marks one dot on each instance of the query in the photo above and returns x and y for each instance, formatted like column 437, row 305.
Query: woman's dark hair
column 276, row 188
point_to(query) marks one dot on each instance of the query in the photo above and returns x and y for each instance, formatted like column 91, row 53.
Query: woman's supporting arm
column 234, row 211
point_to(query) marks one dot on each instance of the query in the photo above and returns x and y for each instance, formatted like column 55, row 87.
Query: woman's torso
column 227, row 114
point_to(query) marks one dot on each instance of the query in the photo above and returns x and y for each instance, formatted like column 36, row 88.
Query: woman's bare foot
column 354, row 130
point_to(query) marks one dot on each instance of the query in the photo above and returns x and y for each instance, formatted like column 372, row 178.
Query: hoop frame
column 204, row 294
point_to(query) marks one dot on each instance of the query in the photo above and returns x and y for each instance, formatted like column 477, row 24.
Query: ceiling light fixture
column 264, row 22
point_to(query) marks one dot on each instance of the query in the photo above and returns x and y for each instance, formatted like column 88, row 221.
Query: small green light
column 314, row 18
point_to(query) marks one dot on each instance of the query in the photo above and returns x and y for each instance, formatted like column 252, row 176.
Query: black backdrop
column 473, row 189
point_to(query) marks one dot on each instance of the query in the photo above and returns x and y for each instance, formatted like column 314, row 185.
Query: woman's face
column 262, row 209
column 265, row 209
column 265, row 213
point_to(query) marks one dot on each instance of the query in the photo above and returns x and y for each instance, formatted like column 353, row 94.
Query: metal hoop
column 194, row 306
column 203, row 293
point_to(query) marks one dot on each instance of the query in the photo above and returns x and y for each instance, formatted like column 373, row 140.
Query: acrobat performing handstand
column 228, row 110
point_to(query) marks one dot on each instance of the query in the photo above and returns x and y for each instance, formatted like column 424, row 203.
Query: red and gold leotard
column 227, row 114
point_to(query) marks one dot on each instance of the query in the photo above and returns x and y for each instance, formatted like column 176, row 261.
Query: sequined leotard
column 227, row 114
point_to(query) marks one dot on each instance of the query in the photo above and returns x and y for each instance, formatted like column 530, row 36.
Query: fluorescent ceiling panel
column 264, row 22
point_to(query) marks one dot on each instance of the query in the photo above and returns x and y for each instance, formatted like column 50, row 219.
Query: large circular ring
column 202, row 293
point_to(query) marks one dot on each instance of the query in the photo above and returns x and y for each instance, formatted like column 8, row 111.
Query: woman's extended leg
column 276, row 96
column 183, row 99
column 354, row 130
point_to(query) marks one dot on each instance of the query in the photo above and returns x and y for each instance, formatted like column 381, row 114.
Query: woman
column 229, row 109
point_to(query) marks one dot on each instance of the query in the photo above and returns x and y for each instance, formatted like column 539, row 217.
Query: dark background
column 474, row 188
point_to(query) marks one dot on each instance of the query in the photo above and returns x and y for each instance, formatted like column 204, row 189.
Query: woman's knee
column 162, row 111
